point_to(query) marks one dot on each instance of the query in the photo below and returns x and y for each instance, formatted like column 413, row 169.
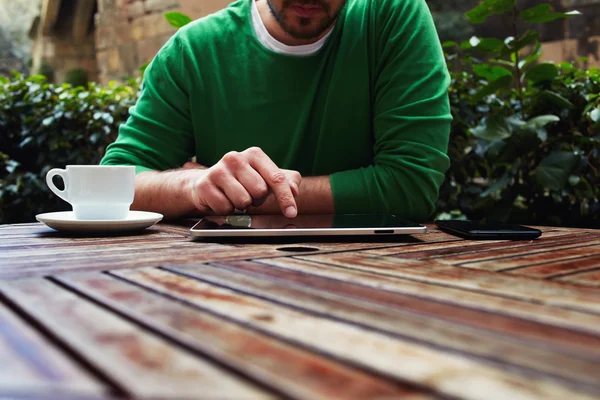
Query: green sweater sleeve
column 411, row 119
column 158, row 134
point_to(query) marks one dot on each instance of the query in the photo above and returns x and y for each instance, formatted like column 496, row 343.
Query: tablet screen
column 303, row 221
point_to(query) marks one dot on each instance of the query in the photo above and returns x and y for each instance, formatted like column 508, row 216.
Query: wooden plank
column 38, row 255
column 294, row 372
column 541, row 248
column 558, row 268
column 591, row 278
column 94, row 251
column 450, row 374
column 565, row 254
column 522, row 288
column 140, row 362
column 529, row 310
column 32, row 366
column 461, row 247
column 39, row 242
column 290, row 286
column 542, row 348
column 106, row 257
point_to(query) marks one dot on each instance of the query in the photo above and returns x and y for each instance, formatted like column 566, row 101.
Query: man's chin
column 306, row 32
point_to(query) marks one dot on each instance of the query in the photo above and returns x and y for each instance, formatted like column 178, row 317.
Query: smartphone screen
column 490, row 230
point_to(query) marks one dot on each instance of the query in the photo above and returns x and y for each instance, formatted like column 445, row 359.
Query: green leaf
column 583, row 188
column 177, row 19
column 487, row 8
column 544, row 13
column 466, row 45
column 542, row 72
column 489, row 45
column 595, row 115
column 449, row 43
column 490, row 72
column 501, row 83
column 574, row 180
column 566, row 67
column 526, row 39
column 541, row 121
column 554, row 170
column 497, row 186
column 492, row 128
column 533, row 57
column 557, row 99
column 3, row 79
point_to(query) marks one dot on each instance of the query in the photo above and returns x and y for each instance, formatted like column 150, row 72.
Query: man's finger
column 294, row 179
column 217, row 201
column 277, row 180
column 235, row 192
column 253, row 183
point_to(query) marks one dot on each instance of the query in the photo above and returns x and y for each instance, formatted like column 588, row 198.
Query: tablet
column 305, row 225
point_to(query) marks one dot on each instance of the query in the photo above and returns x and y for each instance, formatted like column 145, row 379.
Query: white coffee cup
column 96, row 192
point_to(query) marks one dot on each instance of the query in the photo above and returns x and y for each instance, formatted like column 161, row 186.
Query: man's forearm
column 166, row 192
column 314, row 197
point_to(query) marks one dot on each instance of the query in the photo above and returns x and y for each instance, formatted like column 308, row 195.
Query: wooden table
column 159, row 315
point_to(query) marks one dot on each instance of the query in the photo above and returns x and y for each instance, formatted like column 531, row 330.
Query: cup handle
column 63, row 174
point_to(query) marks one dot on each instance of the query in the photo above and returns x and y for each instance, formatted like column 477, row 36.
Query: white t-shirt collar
column 268, row 41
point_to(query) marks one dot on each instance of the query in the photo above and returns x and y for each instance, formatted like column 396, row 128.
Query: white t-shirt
column 273, row 44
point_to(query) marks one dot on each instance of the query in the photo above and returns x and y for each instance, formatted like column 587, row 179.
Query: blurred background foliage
column 525, row 139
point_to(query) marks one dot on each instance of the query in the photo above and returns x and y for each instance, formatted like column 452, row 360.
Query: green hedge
column 525, row 141
column 524, row 147
column 44, row 126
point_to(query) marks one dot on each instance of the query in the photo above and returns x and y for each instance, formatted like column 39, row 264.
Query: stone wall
column 16, row 16
column 62, row 55
column 571, row 50
column 130, row 32
column 64, row 41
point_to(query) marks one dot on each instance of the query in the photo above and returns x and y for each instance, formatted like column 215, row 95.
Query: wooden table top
column 159, row 315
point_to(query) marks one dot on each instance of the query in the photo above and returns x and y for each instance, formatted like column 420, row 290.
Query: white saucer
column 65, row 221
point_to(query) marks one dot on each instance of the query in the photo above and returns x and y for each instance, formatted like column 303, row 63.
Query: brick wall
column 130, row 32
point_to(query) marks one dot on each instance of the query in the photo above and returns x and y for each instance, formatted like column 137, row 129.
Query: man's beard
column 320, row 27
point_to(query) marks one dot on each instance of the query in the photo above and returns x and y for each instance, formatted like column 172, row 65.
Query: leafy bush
column 525, row 139
column 525, row 142
column 43, row 126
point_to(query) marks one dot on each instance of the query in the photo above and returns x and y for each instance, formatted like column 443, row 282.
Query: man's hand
column 241, row 180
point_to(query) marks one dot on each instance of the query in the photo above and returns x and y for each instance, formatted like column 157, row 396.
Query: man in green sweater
column 350, row 94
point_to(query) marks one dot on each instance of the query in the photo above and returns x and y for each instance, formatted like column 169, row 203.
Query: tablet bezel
column 277, row 232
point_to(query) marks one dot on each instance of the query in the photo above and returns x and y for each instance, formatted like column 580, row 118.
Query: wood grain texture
column 532, row 290
column 590, row 278
column 547, row 350
column 30, row 250
column 448, row 248
column 31, row 365
column 353, row 344
column 566, row 318
column 284, row 367
column 289, row 287
column 502, row 257
column 418, row 317
column 141, row 363
column 557, row 269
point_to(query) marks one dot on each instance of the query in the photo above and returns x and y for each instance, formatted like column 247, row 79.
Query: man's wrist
column 188, row 179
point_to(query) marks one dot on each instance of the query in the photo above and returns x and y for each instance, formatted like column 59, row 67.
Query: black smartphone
column 488, row 230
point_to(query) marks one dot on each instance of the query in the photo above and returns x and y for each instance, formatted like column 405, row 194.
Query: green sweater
column 370, row 109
